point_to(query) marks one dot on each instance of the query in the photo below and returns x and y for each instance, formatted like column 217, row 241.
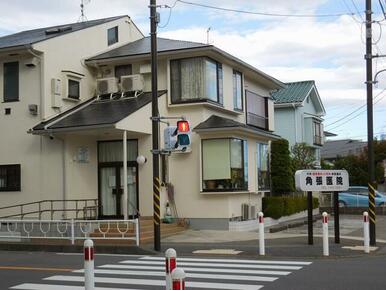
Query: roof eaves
column 289, row 104
column 109, row 19
column 240, row 128
column 164, row 52
column 243, row 63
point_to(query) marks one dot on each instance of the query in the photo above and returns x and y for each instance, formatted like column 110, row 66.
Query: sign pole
column 336, row 217
column 310, row 219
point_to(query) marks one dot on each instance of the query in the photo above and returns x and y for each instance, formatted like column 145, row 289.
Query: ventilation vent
column 58, row 29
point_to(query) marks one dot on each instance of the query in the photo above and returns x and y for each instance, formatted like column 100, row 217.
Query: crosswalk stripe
column 189, row 275
column 33, row 286
column 209, row 270
column 229, row 261
column 221, row 265
column 207, row 285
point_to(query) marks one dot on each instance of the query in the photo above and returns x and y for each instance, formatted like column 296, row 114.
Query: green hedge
column 278, row 206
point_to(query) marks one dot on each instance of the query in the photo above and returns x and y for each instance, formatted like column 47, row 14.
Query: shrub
column 281, row 168
column 278, row 206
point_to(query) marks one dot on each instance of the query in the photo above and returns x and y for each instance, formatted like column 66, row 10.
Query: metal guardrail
column 78, row 208
column 70, row 229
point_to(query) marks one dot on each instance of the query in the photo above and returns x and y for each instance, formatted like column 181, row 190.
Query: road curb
column 101, row 249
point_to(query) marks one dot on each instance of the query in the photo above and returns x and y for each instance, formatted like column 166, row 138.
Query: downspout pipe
column 42, row 86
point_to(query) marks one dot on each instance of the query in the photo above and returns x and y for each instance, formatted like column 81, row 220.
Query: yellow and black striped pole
column 155, row 126
column 372, row 214
column 370, row 127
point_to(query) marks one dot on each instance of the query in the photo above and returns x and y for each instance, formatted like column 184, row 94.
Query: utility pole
column 155, row 127
column 370, row 129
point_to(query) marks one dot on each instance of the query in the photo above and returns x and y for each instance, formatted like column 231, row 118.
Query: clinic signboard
column 322, row 180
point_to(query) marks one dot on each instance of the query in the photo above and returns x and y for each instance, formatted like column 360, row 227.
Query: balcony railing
column 257, row 121
column 318, row 140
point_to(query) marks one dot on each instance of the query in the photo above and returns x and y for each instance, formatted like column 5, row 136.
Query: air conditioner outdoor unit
column 132, row 83
column 252, row 212
column 107, row 86
column 245, row 211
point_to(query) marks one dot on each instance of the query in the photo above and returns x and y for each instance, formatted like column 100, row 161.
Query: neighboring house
column 79, row 121
column 299, row 113
column 332, row 149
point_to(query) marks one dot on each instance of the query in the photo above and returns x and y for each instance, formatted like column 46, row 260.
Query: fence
column 70, row 229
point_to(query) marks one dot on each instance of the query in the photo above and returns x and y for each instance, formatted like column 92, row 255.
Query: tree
column 303, row 156
column 357, row 169
column 282, row 178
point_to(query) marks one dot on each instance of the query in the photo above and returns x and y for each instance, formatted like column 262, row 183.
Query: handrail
column 47, row 200
column 42, row 207
column 42, row 204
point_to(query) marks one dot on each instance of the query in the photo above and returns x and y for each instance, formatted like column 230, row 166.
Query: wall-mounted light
column 141, row 159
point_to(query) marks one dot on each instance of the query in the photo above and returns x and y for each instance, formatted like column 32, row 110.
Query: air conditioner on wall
column 132, row 83
column 107, row 86
column 245, row 211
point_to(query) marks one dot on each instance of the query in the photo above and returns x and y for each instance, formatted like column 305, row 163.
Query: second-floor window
column 318, row 133
column 11, row 81
column 257, row 110
column 237, row 91
column 73, row 89
column 196, row 79
column 112, row 35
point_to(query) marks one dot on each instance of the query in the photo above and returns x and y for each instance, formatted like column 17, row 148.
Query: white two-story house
column 299, row 113
column 76, row 96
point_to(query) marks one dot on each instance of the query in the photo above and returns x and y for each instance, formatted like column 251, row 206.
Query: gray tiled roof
column 96, row 113
column 143, row 46
column 294, row 92
column 334, row 148
column 37, row 35
column 217, row 122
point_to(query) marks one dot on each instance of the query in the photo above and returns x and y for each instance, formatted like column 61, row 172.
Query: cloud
column 23, row 15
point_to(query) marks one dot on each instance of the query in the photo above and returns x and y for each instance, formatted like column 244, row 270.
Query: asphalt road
column 365, row 272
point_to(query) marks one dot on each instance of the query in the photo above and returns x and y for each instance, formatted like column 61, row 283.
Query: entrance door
column 111, row 179
column 111, row 191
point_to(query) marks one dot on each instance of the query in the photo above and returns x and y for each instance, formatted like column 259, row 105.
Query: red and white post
column 325, row 234
column 89, row 281
column 261, row 235
column 171, row 264
column 178, row 278
column 366, row 232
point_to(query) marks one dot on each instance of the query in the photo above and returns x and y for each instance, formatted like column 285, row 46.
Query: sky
column 329, row 50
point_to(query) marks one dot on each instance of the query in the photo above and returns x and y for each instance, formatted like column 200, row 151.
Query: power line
column 263, row 13
column 360, row 113
column 356, row 110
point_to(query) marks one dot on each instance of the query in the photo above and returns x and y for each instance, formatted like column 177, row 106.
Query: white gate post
column 72, row 232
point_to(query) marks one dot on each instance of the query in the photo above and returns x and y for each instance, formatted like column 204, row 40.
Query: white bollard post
column 261, row 235
column 366, row 232
column 72, row 232
column 325, row 234
column 178, row 278
column 89, row 282
column 171, row 264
